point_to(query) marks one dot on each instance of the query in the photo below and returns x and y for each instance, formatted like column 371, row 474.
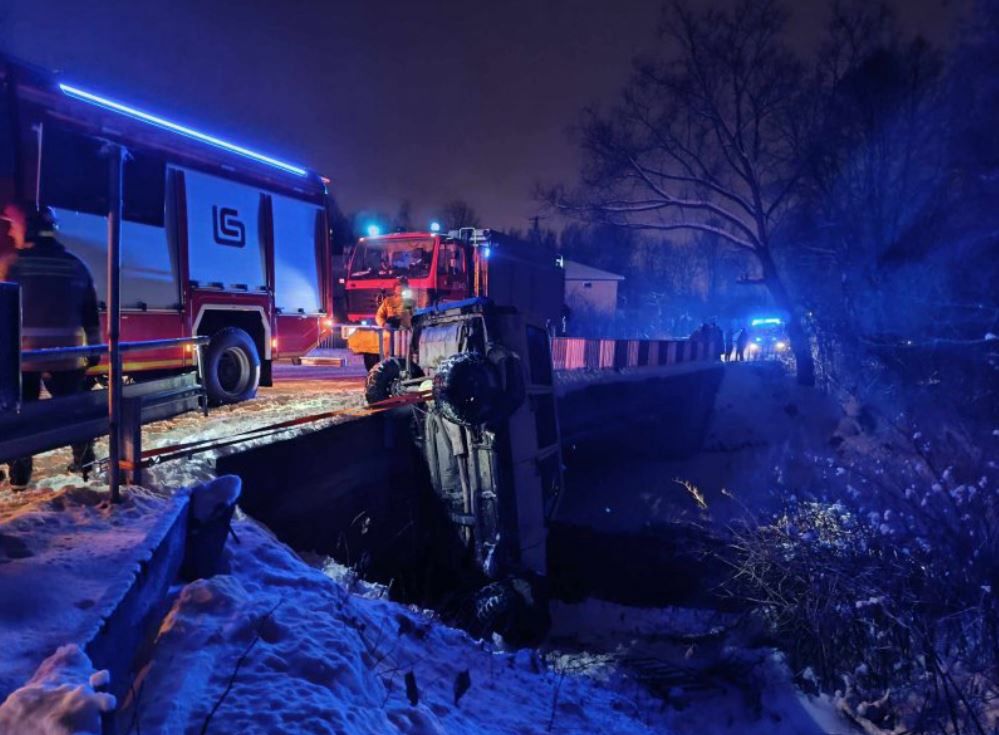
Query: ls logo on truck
column 227, row 227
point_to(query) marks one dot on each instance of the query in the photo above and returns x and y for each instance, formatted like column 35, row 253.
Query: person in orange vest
column 58, row 309
column 395, row 312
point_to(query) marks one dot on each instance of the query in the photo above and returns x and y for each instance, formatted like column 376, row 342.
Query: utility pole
column 116, row 160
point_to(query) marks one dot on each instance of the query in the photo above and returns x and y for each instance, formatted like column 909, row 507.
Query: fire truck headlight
column 328, row 323
column 274, row 343
column 752, row 347
column 780, row 346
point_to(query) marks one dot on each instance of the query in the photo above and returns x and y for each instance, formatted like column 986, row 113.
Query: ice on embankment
column 303, row 655
column 60, row 699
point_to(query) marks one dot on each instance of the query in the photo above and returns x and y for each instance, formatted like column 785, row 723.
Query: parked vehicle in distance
column 768, row 338
column 217, row 239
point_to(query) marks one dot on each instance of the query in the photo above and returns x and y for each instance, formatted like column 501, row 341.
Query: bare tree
column 706, row 139
column 459, row 213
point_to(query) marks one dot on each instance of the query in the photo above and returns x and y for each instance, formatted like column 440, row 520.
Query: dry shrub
column 887, row 597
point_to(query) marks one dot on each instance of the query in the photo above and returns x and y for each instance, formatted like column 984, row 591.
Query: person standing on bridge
column 394, row 312
column 58, row 309
column 741, row 343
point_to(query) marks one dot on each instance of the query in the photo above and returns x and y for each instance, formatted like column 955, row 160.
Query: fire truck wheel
column 383, row 379
column 468, row 391
column 232, row 367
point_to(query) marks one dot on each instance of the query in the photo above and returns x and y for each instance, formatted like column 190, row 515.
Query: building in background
column 589, row 289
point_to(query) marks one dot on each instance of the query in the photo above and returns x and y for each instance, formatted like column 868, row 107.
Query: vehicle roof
column 401, row 236
column 41, row 88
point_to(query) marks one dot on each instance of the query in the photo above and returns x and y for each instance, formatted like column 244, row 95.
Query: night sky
column 426, row 100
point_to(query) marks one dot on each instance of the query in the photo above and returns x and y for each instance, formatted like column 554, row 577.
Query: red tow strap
column 185, row 449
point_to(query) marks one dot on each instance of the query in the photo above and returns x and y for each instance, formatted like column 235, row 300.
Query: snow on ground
column 278, row 646
column 61, row 698
column 712, row 676
column 64, row 563
column 297, row 391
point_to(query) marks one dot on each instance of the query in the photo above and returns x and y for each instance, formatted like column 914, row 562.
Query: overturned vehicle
column 488, row 437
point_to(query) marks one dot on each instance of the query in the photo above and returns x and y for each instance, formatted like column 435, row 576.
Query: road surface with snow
column 297, row 391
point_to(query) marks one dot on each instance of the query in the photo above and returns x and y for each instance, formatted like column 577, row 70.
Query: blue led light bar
column 159, row 122
column 768, row 320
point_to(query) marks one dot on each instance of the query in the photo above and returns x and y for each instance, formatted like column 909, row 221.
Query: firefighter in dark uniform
column 58, row 309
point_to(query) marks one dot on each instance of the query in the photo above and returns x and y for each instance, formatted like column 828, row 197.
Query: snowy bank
column 277, row 646
column 66, row 564
column 60, row 699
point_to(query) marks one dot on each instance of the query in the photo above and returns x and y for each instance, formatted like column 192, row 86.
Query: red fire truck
column 451, row 267
column 217, row 239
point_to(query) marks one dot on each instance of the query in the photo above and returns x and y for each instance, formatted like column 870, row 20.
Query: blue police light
column 767, row 320
column 159, row 122
column 435, row 226
column 486, row 252
column 374, row 231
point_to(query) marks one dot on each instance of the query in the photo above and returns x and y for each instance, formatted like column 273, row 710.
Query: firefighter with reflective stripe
column 58, row 309
column 395, row 312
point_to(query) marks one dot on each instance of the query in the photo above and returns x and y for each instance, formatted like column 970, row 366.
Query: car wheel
column 383, row 379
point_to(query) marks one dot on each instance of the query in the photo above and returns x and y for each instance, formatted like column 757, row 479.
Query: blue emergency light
column 374, row 231
column 766, row 320
column 435, row 226
column 160, row 122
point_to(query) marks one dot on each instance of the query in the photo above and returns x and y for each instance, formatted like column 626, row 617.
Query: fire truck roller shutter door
column 296, row 256
column 223, row 232
column 149, row 273
column 73, row 183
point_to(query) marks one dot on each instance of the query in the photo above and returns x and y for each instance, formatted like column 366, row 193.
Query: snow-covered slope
column 277, row 646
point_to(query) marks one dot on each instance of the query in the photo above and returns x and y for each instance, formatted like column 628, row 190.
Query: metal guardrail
column 56, row 353
column 69, row 419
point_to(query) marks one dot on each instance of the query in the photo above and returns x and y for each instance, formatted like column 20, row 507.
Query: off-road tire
column 467, row 390
column 232, row 367
column 383, row 379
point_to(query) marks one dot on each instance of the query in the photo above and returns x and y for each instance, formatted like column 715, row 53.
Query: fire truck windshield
column 392, row 258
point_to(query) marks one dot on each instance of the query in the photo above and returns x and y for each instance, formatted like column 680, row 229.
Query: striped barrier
column 570, row 353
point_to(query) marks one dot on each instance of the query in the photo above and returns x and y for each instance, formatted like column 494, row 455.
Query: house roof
column 575, row 271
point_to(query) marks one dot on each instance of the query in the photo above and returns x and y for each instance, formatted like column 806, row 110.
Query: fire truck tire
column 383, row 379
column 467, row 390
column 232, row 367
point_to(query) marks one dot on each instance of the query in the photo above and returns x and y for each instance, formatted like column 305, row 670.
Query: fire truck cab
column 454, row 266
column 217, row 239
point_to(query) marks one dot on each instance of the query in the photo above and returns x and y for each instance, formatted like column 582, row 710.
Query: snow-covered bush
column 887, row 596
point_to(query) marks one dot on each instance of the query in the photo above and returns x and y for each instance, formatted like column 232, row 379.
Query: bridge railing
column 572, row 353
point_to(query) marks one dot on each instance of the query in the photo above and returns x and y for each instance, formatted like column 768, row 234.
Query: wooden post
column 116, row 160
